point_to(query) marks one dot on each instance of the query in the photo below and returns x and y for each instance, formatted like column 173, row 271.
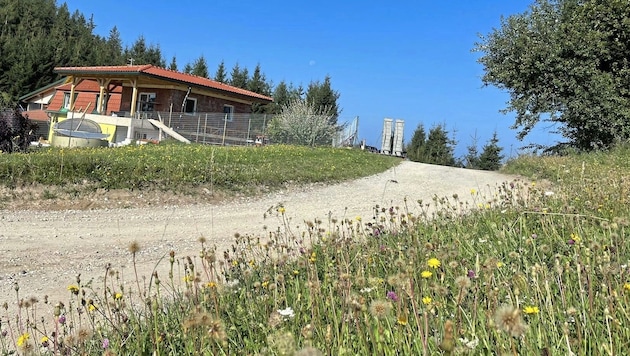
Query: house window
column 98, row 96
column 228, row 110
column 146, row 102
column 66, row 100
column 191, row 105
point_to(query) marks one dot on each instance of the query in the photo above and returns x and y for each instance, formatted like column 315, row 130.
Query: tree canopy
column 567, row 62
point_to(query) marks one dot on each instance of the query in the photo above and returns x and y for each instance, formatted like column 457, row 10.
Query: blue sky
column 409, row 60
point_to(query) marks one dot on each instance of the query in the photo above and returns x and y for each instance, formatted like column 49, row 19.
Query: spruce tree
column 324, row 99
column 220, row 75
column 200, row 67
column 491, row 157
column 415, row 150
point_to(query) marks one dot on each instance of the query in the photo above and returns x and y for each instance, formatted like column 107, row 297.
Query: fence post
column 224, row 129
column 198, row 123
column 205, row 129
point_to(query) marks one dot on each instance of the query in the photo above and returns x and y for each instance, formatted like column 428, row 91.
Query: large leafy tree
column 568, row 62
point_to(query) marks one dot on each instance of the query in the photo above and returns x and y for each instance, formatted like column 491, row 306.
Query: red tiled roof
column 86, row 97
column 90, row 86
column 153, row 71
column 36, row 115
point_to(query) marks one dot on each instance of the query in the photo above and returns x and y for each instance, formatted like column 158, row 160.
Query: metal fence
column 216, row 128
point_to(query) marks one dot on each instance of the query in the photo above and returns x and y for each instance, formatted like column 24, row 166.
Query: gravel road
column 43, row 251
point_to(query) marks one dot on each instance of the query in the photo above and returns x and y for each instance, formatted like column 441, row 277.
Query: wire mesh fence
column 218, row 128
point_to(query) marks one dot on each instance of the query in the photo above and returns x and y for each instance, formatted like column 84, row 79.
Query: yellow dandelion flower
column 265, row 284
column 426, row 274
column 92, row 307
column 118, row 296
column 211, row 285
column 473, row 191
column 188, row 279
column 531, row 310
column 575, row 237
column 23, row 339
column 44, row 339
column 427, row 300
column 73, row 289
column 626, row 286
column 402, row 319
column 296, row 272
column 235, row 263
column 358, row 218
column 281, row 210
column 433, row 263
column 500, row 264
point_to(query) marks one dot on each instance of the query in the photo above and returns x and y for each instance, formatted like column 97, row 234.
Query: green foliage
column 566, row 62
column 200, row 67
column 415, row 149
column 436, row 148
column 472, row 155
column 283, row 95
column 36, row 36
column 173, row 64
column 323, row 98
column 140, row 53
column 491, row 157
column 300, row 123
column 177, row 167
column 239, row 77
column 220, row 75
column 519, row 269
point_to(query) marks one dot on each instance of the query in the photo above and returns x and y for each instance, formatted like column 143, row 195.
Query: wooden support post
column 134, row 97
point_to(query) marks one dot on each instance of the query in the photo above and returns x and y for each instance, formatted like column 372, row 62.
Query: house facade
column 133, row 102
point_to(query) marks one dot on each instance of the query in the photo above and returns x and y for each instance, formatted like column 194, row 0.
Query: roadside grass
column 173, row 167
column 538, row 267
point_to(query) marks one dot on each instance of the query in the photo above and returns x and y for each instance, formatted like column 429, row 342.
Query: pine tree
column 439, row 148
column 220, row 75
column 415, row 150
column 200, row 67
column 173, row 64
column 324, row 99
column 239, row 78
column 491, row 157
column 472, row 157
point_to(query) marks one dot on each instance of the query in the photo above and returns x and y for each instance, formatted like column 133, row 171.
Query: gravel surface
column 43, row 250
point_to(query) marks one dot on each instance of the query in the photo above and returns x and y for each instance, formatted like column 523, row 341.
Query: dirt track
column 43, row 251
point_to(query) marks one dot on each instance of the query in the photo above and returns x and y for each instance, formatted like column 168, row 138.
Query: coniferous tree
column 439, row 148
column 173, row 64
column 188, row 68
column 472, row 156
column 220, row 75
column 200, row 67
column 416, row 148
column 239, row 77
column 324, row 99
column 491, row 157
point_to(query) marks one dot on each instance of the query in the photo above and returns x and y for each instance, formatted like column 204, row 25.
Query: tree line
column 436, row 147
column 37, row 35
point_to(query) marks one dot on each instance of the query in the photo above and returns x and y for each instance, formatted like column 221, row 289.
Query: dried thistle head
column 134, row 247
column 508, row 319
column 380, row 308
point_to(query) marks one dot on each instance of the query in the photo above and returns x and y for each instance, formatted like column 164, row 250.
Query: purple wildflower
column 105, row 343
column 571, row 242
column 471, row 274
column 391, row 295
column 62, row 319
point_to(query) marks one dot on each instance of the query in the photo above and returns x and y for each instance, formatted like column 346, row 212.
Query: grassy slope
column 533, row 271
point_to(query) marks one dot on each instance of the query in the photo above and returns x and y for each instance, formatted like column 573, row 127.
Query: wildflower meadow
column 539, row 267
